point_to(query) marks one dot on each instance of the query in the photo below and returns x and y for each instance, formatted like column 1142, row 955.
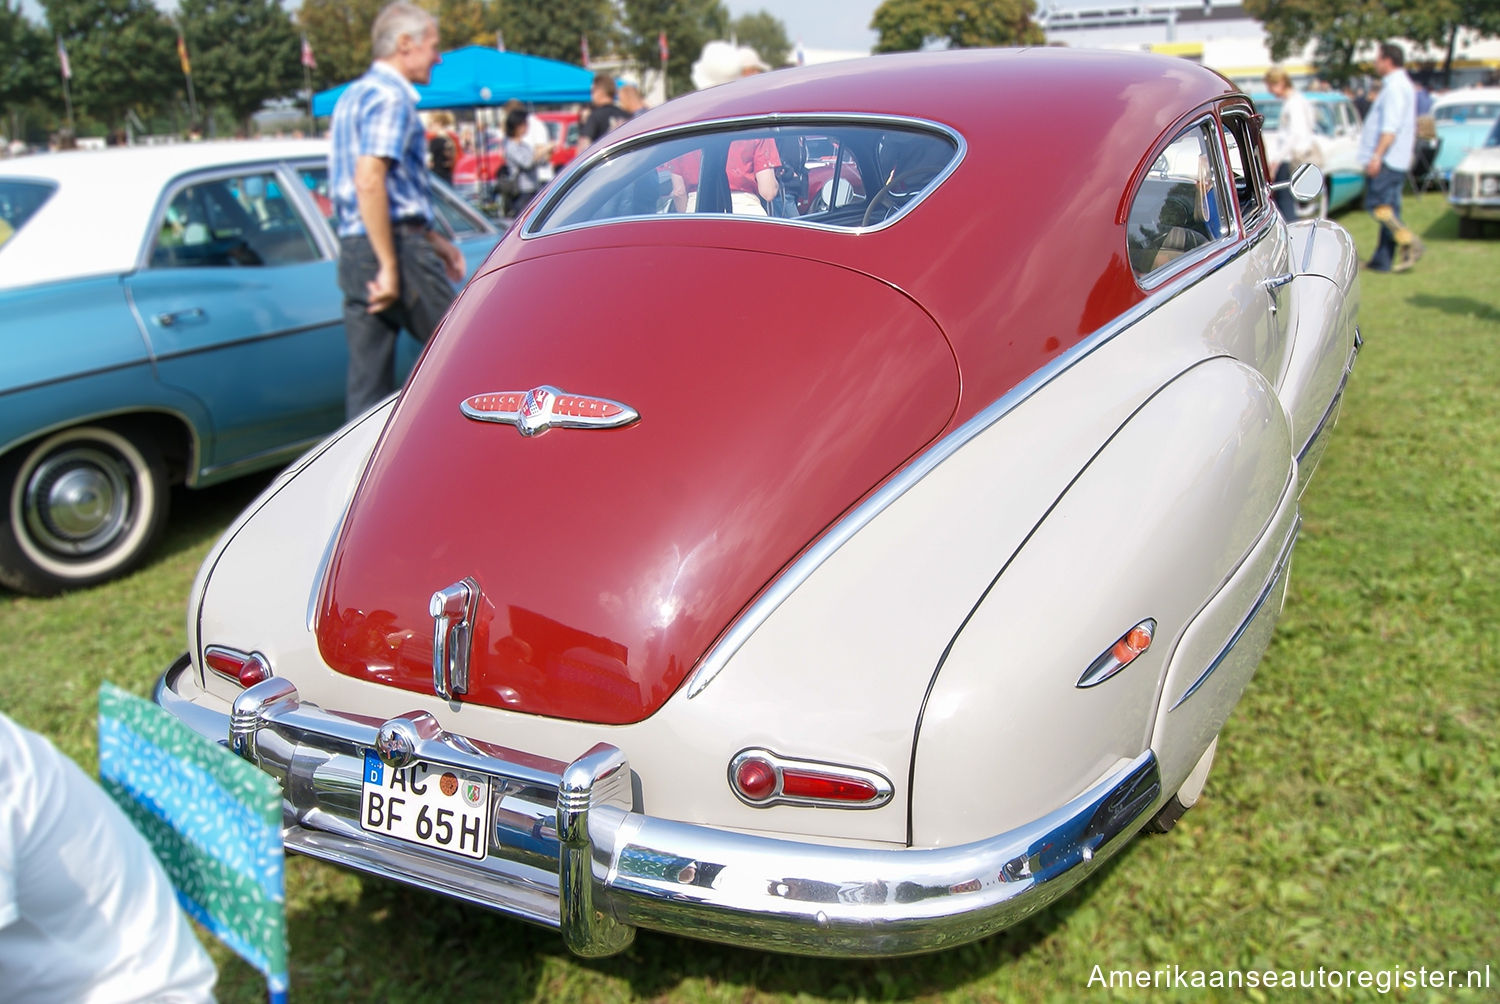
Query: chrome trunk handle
column 453, row 612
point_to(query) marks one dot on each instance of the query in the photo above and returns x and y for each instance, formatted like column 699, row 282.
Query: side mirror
column 1306, row 183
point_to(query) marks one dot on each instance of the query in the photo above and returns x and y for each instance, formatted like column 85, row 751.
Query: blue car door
column 238, row 300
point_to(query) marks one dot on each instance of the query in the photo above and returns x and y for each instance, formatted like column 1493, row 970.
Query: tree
column 23, row 62
column 123, row 54
column 906, row 25
column 462, row 22
column 689, row 25
column 763, row 32
column 242, row 52
column 557, row 30
column 1341, row 29
column 339, row 33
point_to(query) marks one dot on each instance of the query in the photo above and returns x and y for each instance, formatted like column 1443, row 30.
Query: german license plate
column 429, row 804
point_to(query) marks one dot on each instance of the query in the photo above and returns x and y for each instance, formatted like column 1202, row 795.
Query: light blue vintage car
column 168, row 314
column 1337, row 123
column 1463, row 119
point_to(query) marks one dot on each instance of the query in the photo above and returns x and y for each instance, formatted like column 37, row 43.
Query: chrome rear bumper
column 566, row 850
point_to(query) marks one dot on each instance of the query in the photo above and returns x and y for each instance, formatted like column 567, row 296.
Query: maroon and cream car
column 857, row 565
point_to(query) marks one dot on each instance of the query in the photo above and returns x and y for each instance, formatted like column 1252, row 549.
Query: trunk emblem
column 545, row 407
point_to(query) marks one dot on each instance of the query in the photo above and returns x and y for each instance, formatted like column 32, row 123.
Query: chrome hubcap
column 77, row 501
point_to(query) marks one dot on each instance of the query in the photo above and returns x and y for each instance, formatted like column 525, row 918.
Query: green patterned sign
column 213, row 820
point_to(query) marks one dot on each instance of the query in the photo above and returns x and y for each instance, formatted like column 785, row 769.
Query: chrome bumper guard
column 567, row 851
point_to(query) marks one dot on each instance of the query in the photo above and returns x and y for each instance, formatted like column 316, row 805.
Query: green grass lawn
column 1347, row 824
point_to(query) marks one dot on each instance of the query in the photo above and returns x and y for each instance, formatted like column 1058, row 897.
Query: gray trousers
column 423, row 299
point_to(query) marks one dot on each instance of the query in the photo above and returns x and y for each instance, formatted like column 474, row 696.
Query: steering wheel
column 907, row 183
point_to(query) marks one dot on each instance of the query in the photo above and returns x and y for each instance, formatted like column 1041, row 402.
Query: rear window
column 19, row 201
column 848, row 175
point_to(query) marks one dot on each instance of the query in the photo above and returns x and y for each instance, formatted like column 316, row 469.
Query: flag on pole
column 187, row 67
column 585, row 48
column 62, row 59
column 213, row 820
column 307, row 54
column 499, row 41
column 661, row 46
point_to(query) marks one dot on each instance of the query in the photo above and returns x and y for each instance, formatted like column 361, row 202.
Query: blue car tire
column 82, row 505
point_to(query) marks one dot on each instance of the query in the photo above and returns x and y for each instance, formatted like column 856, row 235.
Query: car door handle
column 170, row 318
column 1277, row 281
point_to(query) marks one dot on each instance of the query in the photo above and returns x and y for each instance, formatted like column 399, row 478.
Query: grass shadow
column 1459, row 306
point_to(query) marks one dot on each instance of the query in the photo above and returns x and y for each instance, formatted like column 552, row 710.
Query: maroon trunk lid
column 773, row 393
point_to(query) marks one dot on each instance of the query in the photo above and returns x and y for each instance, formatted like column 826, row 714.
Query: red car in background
column 486, row 162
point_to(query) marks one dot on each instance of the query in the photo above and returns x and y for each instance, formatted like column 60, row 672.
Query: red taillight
column 756, row 779
column 761, row 778
column 244, row 668
column 811, row 784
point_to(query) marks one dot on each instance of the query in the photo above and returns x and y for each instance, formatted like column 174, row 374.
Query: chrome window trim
column 582, row 165
column 1263, row 203
column 1158, row 277
column 824, row 548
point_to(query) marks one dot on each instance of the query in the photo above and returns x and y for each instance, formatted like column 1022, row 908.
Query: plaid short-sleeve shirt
column 377, row 117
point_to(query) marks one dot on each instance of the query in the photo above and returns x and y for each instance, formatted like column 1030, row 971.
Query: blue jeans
column 1384, row 190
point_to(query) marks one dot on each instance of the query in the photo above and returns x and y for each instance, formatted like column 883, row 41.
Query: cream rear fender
column 1318, row 308
column 1155, row 526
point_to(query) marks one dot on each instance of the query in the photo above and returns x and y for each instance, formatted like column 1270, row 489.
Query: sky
column 818, row 24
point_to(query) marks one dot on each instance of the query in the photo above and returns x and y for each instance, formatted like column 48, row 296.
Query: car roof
column 1469, row 95
column 95, row 221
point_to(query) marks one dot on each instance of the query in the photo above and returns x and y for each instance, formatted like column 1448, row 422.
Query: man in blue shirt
column 1386, row 143
column 394, row 269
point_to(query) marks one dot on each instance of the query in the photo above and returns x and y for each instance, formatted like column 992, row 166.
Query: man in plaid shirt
column 394, row 269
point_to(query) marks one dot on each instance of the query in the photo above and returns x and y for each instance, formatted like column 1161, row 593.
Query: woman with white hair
column 1294, row 141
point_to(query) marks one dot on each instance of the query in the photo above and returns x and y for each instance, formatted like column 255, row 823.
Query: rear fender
column 1153, row 527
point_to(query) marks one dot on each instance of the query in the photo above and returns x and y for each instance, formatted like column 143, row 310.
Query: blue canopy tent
column 477, row 75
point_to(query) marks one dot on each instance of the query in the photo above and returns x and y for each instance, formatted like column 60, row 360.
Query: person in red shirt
column 751, row 170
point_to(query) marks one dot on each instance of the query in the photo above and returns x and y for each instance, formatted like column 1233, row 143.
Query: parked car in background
column 1474, row 191
column 484, row 164
column 867, row 576
column 169, row 314
column 1463, row 119
column 1337, row 123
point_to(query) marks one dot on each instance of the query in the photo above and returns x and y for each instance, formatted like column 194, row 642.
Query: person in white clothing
column 86, row 912
column 1294, row 141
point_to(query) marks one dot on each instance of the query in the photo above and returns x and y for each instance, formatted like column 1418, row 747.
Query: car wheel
column 82, row 506
column 1468, row 227
column 1185, row 797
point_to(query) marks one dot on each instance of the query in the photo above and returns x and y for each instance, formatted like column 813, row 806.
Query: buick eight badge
column 542, row 408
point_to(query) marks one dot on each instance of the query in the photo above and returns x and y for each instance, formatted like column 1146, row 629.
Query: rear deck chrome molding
column 567, row 850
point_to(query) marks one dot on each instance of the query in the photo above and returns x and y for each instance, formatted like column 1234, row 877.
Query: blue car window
column 239, row 221
column 19, row 201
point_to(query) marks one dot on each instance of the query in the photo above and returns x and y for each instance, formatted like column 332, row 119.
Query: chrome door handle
column 172, row 317
column 1277, row 281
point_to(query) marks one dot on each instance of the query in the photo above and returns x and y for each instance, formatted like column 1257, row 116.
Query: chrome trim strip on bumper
column 567, row 851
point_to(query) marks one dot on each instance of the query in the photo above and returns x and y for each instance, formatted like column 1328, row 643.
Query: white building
column 1221, row 35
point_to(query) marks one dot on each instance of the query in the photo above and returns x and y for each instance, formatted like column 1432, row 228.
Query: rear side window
column 19, row 201
column 844, row 175
column 241, row 220
column 1181, row 205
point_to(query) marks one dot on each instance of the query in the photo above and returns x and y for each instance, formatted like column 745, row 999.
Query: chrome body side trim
column 761, row 609
column 1277, row 572
column 1326, row 422
column 567, row 849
